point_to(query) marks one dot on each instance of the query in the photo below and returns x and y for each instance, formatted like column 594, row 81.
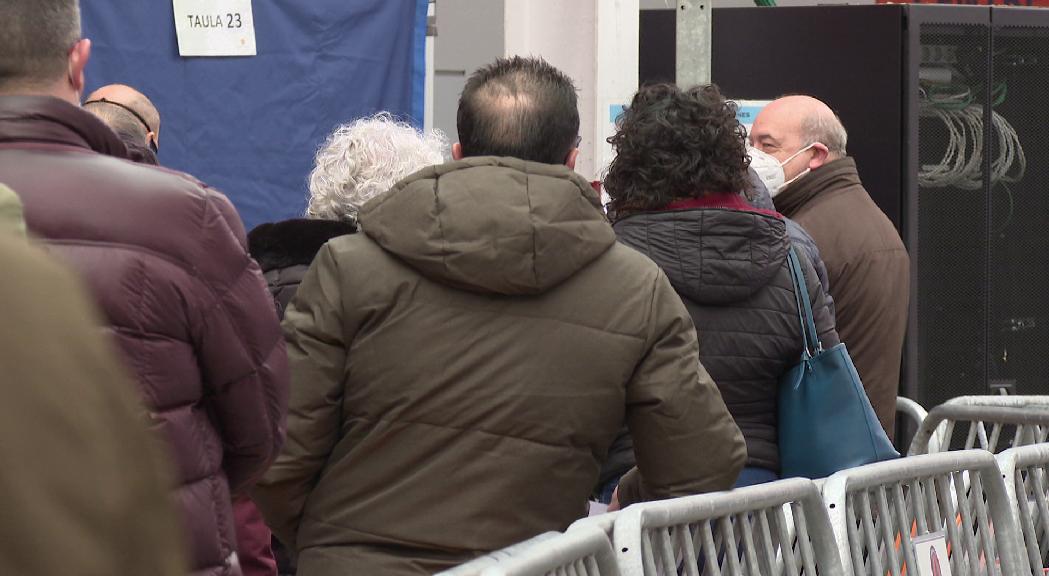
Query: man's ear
column 457, row 151
column 78, row 57
column 571, row 158
column 821, row 155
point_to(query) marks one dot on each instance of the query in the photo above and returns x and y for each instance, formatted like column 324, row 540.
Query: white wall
column 564, row 33
column 469, row 35
column 617, row 71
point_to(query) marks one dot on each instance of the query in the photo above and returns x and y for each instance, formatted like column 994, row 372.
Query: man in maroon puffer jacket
column 166, row 260
column 115, row 106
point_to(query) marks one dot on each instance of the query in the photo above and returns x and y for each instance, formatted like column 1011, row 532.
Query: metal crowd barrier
column 989, row 418
column 580, row 552
column 1026, row 474
column 878, row 510
column 748, row 531
column 478, row 565
column 910, row 410
column 603, row 522
column 864, row 524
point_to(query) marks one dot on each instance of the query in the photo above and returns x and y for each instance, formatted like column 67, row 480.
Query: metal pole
column 693, row 42
column 431, row 63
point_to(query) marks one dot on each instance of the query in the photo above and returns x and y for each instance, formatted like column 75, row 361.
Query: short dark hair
column 35, row 38
column 118, row 119
column 673, row 143
column 131, row 131
column 519, row 107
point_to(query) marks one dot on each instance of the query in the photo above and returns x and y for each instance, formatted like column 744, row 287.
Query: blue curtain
column 250, row 126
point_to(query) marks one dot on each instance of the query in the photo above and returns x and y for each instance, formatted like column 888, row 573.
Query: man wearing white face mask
column 798, row 149
column 773, row 172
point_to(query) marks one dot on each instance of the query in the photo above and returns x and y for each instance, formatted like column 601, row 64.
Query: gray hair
column 365, row 158
column 829, row 131
column 35, row 38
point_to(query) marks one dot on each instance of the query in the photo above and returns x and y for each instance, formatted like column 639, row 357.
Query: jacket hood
column 55, row 121
column 495, row 225
column 293, row 242
column 710, row 255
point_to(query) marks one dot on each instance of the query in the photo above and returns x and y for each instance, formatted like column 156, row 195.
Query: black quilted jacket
column 730, row 269
column 285, row 250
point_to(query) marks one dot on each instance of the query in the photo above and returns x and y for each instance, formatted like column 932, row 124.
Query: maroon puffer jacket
column 166, row 260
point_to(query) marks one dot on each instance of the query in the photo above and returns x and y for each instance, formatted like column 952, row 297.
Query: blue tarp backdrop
column 250, row 126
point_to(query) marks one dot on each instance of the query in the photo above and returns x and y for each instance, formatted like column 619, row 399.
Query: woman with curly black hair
column 675, row 185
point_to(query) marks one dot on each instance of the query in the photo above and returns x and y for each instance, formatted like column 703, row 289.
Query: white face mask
column 770, row 170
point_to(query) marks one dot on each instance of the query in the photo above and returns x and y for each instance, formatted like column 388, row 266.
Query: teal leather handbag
column 826, row 422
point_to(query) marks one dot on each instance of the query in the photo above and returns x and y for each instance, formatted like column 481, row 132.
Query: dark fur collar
column 293, row 242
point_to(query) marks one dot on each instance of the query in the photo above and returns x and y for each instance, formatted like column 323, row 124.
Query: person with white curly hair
column 357, row 162
column 365, row 158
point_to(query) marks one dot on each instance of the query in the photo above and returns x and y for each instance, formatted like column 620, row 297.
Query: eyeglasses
column 578, row 141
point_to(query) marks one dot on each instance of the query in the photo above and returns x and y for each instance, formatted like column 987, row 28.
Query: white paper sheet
column 214, row 27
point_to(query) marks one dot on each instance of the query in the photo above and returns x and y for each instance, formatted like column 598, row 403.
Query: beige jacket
column 461, row 368
column 84, row 490
column 11, row 218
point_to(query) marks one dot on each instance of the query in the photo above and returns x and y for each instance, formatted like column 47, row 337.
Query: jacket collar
column 49, row 120
column 724, row 200
column 833, row 175
column 293, row 242
column 714, row 253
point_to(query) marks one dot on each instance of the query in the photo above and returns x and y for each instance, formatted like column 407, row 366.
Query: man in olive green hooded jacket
column 461, row 368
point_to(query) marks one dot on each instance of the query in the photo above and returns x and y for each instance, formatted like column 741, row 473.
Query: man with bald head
column 136, row 122
column 799, row 149
column 131, row 115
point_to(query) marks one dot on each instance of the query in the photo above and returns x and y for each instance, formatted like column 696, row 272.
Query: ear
column 572, row 156
column 820, row 156
column 78, row 57
column 457, row 151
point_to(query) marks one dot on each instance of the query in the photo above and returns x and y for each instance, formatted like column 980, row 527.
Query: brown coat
column 83, row 490
column 730, row 268
column 869, row 273
column 461, row 368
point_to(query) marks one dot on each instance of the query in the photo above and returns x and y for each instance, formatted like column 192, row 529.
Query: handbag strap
column 801, row 295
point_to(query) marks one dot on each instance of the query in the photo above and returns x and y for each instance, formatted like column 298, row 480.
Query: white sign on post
column 214, row 27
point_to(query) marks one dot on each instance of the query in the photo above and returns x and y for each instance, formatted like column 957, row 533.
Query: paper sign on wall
column 930, row 553
column 748, row 110
column 214, row 27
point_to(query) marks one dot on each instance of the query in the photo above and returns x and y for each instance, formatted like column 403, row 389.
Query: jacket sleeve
column 801, row 239
column 685, row 440
column 98, row 482
column 314, row 330
column 822, row 315
column 240, row 349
